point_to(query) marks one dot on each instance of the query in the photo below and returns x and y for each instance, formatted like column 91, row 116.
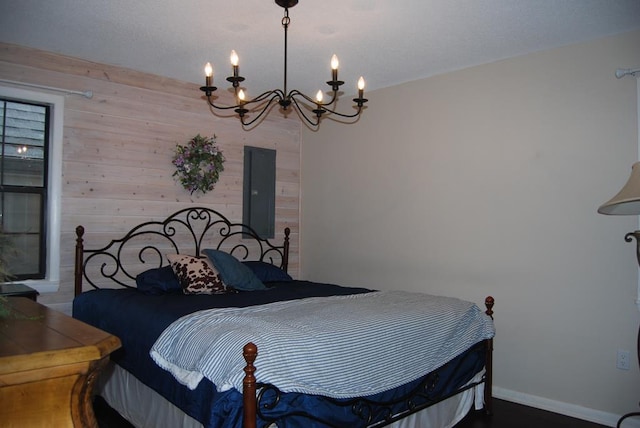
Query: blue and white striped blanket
column 339, row 346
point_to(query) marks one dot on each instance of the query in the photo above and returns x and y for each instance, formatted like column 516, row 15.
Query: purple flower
column 198, row 164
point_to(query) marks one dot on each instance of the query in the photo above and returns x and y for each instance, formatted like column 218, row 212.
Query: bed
column 276, row 352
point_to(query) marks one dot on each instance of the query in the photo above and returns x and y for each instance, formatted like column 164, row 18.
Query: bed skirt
column 120, row 388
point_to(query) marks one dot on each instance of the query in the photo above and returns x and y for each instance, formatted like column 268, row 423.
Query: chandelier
column 309, row 109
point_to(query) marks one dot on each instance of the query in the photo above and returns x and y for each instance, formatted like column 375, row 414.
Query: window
column 24, row 146
column 30, row 183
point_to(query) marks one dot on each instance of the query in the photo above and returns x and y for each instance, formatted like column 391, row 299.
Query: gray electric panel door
column 259, row 190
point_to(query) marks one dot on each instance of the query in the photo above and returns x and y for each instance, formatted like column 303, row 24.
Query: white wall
column 486, row 181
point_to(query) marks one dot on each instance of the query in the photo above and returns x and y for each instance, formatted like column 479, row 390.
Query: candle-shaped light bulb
column 208, row 74
column 319, row 97
column 234, row 63
column 360, row 87
column 334, row 62
column 334, row 68
column 208, row 70
column 241, row 96
column 234, row 58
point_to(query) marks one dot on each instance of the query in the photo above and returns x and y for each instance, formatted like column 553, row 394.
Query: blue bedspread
column 139, row 319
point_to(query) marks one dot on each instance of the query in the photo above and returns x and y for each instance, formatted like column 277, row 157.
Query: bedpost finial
column 489, row 302
column 79, row 231
column 250, row 352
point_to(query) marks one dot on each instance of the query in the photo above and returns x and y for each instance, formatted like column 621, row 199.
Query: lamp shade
column 627, row 201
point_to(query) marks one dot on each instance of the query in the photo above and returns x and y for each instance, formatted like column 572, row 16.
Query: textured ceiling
column 389, row 42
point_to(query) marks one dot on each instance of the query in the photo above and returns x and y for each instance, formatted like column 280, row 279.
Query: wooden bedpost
column 249, row 352
column 77, row 273
column 488, row 384
column 285, row 256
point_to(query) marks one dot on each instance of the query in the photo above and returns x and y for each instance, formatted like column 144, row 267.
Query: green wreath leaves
column 198, row 164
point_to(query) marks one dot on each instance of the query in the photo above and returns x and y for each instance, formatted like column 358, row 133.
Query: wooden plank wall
column 118, row 147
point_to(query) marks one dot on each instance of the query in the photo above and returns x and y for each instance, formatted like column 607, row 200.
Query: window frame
column 51, row 281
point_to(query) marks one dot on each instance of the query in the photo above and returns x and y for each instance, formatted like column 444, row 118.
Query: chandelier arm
column 302, row 114
column 348, row 116
column 295, row 92
column 212, row 104
column 324, row 106
column 334, row 98
column 276, row 93
column 262, row 112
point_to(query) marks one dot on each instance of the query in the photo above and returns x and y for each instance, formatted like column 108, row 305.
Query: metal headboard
column 188, row 231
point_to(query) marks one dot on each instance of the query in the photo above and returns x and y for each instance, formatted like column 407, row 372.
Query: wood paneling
column 117, row 149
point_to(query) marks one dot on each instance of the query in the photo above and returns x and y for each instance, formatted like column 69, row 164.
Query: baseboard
column 573, row 410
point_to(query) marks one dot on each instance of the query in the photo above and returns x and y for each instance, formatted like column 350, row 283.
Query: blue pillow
column 158, row 281
column 234, row 274
column 266, row 272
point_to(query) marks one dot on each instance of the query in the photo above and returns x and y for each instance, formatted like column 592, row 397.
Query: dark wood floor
column 505, row 415
column 510, row 415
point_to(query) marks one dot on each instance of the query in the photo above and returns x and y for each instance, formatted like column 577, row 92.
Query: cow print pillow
column 196, row 276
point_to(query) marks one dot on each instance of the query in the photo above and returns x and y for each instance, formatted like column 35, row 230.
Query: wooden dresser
column 48, row 366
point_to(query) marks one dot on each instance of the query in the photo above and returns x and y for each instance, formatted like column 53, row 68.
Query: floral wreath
column 198, row 164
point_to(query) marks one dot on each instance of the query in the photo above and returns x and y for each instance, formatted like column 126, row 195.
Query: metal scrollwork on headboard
column 188, row 231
